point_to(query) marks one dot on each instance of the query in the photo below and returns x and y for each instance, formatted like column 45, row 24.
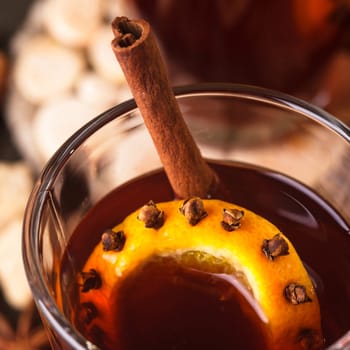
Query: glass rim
column 248, row 92
column 30, row 240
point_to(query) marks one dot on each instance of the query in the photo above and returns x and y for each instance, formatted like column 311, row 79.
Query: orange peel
column 276, row 277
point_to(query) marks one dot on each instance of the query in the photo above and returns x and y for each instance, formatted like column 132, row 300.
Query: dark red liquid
column 168, row 306
column 159, row 313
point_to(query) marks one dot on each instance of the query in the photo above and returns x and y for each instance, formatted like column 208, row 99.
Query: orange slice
column 210, row 232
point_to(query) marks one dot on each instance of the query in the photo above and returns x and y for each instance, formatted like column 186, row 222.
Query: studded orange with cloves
column 200, row 234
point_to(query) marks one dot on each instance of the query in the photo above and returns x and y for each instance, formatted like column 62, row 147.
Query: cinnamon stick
column 138, row 54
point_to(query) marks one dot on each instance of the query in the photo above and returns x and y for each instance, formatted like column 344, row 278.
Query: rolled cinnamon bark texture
column 139, row 56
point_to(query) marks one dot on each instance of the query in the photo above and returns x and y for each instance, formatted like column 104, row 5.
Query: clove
column 296, row 294
column 91, row 280
column 112, row 240
column 275, row 247
column 151, row 215
column 193, row 210
column 231, row 219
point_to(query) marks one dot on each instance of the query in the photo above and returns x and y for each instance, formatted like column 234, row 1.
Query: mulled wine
column 165, row 304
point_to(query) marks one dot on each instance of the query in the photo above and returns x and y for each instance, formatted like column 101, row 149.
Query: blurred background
column 12, row 13
column 57, row 72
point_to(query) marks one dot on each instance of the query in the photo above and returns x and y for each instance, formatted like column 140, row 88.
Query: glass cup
column 229, row 122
